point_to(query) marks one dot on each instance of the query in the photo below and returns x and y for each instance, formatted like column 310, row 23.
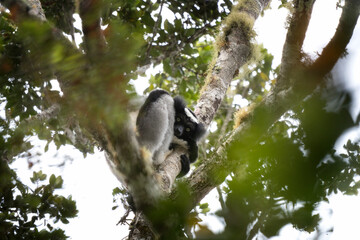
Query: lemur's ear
column 190, row 114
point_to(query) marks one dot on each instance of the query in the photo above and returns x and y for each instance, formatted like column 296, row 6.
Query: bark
column 291, row 54
column 234, row 53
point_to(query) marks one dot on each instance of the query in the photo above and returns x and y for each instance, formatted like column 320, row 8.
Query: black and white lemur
column 164, row 122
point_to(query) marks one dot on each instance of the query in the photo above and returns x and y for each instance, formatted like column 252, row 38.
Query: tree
column 278, row 153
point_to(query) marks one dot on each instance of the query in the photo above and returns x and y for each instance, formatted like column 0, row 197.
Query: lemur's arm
column 193, row 151
column 185, row 165
column 186, row 160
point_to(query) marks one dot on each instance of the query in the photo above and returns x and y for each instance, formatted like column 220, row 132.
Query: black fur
column 189, row 131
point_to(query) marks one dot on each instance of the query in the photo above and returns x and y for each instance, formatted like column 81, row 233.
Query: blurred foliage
column 61, row 14
column 25, row 213
column 284, row 178
column 280, row 181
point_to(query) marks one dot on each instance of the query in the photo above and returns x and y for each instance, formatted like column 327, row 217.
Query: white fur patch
column 191, row 116
column 180, row 142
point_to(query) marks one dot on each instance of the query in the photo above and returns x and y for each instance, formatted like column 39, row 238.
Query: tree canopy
column 272, row 161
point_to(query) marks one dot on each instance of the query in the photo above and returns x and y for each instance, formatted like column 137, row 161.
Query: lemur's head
column 186, row 126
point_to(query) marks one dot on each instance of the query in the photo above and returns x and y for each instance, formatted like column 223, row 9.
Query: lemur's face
column 186, row 125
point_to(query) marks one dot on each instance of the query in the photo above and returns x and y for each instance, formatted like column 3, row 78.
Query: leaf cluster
column 26, row 213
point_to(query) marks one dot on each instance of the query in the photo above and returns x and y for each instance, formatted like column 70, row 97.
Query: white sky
column 90, row 180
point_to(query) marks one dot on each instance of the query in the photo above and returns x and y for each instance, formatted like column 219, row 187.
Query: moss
column 242, row 114
column 239, row 17
column 241, row 20
column 209, row 78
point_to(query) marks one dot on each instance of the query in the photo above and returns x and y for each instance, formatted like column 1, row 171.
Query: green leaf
column 38, row 176
column 52, row 180
column 189, row 50
column 189, row 32
column 178, row 25
column 205, row 210
column 148, row 20
column 46, row 147
column 204, row 205
column 168, row 26
column 58, row 182
column 33, row 201
column 117, row 191
column 167, row 67
column 50, row 227
column 64, row 220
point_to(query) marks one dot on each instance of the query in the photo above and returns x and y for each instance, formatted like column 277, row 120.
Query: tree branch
column 337, row 45
column 235, row 50
column 213, row 172
column 21, row 9
column 291, row 54
column 93, row 35
column 155, row 29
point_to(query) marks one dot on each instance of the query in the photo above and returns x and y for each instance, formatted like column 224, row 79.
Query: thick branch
column 170, row 168
column 291, row 55
column 234, row 52
column 93, row 35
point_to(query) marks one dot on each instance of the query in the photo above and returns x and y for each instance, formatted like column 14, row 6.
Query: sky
column 90, row 181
